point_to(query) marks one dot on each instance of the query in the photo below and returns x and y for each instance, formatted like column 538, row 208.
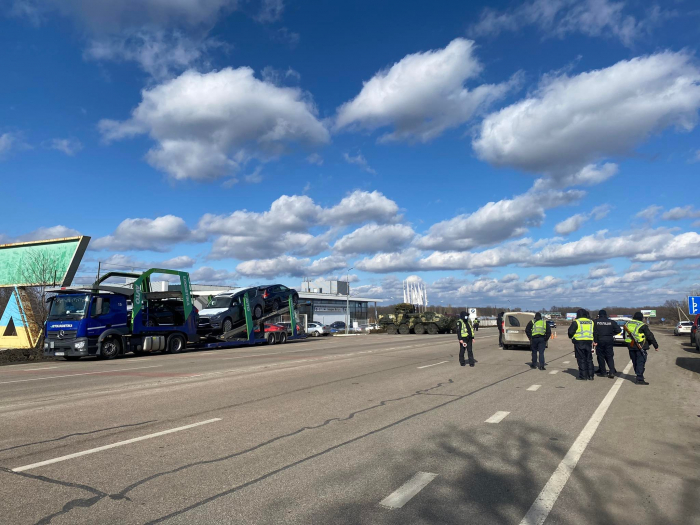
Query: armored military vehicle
column 405, row 320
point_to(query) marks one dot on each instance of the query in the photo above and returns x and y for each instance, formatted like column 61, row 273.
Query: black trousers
column 537, row 345
column 500, row 337
column 584, row 357
column 606, row 355
column 639, row 361
column 468, row 349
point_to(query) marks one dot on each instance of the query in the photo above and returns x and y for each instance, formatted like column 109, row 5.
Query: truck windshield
column 68, row 307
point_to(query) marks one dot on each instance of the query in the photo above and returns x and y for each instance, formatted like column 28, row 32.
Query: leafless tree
column 39, row 272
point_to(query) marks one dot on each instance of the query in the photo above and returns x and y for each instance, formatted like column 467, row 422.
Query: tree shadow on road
column 488, row 475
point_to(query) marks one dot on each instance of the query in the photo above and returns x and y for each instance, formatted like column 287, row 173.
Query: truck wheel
column 72, row 357
column 176, row 344
column 419, row 328
column 270, row 338
column 110, row 348
column 404, row 329
column 257, row 312
column 432, row 329
column 283, row 338
column 391, row 329
column 228, row 325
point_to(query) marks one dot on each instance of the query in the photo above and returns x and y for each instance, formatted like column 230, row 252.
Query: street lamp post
column 347, row 302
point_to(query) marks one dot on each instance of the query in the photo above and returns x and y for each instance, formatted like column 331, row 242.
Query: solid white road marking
column 113, row 445
column 403, row 494
column 497, row 417
column 81, row 374
column 553, row 372
column 434, row 364
column 566, row 362
column 33, row 369
column 545, row 501
column 534, row 388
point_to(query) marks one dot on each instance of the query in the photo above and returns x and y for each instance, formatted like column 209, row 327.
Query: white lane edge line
column 497, row 417
column 566, row 362
column 554, row 372
column 35, row 369
column 534, row 388
column 434, row 364
column 405, row 492
column 550, row 493
column 81, row 374
column 113, row 445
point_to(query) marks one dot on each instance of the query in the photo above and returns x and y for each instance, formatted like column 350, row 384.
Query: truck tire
column 257, row 312
column 391, row 329
column 419, row 328
column 111, row 347
column 283, row 338
column 270, row 338
column 432, row 329
column 176, row 344
column 227, row 325
column 404, row 329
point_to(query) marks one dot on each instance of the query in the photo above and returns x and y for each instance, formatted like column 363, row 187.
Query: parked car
column 276, row 296
column 514, row 329
column 683, row 327
column 551, row 324
column 225, row 311
column 338, row 325
column 619, row 339
column 317, row 329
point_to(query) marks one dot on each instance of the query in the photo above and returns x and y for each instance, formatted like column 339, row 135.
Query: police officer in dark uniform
column 499, row 321
column 638, row 337
column 538, row 332
column 582, row 333
column 603, row 340
column 465, row 335
column 475, row 324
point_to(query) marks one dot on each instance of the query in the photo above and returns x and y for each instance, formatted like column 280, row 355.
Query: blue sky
column 541, row 152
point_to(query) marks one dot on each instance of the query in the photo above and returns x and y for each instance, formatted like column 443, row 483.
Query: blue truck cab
column 106, row 320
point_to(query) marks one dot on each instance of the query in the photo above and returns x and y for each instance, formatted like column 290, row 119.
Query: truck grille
column 67, row 334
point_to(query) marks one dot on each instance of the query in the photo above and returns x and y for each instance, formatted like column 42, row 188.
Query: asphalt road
column 369, row 429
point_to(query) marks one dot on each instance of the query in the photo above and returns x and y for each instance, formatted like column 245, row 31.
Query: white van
column 514, row 324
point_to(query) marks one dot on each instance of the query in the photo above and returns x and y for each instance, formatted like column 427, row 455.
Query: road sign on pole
column 694, row 305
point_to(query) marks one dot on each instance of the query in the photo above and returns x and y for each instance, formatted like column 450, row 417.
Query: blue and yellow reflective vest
column 584, row 330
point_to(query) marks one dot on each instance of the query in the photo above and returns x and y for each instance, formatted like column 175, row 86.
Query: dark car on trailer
column 277, row 296
column 225, row 311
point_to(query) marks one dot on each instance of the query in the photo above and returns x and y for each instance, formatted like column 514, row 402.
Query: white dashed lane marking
column 534, row 388
column 497, row 417
column 553, row 372
column 434, row 364
column 403, row 494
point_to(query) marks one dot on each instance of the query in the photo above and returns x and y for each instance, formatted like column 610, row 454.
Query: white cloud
column 270, row 11
column 650, row 212
column 360, row 161
column 680, row 213
column 571, row 122
column 52, row 232
column 159, row 53
column 682, row 246
column 495, row 221
column 68, row 146
column 315, row 158
column 6, row 142
column 373, row 238
column 510, row 253
column 208, row 125
column 597, row 272
column 575, row 222
column 422, row 95
column 179, row 262
column 403, row 261
column 292, row 266
column 145, row 234
column 558, row 18
column 209, row 275
column 362, row 206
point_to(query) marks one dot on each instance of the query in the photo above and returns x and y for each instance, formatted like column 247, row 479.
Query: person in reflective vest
column 465, row 335
column 638, row 337
column 475, row 324
column 582, row 333
column 538, row 332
